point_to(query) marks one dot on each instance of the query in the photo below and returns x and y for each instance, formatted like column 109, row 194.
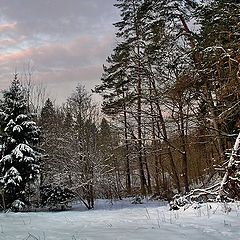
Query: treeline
column 172, row 84
column 171, row 110
column 82, row 149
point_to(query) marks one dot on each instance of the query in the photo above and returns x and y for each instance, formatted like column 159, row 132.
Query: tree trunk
column 139, row 127
column 128, row 173
column 165, row 139
column 184, row 150
column 233, row 158
column 209, row 99
column 149, row 185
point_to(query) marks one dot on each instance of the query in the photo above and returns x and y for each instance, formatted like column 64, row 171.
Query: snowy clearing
column 123, row 220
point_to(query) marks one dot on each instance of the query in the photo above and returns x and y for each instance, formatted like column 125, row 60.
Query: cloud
column 66, row 42
column 7, row 27
column 82, row 51
column 67, row 80
column 58, row 17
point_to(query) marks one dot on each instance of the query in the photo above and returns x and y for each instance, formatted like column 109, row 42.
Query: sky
column 61, row 43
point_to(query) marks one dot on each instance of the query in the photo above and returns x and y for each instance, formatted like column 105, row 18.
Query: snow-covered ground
column 123, row 220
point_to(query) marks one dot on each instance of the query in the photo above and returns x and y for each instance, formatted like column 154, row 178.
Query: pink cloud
column 16, row 56
column 7, row 42
column 66, row 42
column 81, row 51
column 60, row 66
column 7, row 26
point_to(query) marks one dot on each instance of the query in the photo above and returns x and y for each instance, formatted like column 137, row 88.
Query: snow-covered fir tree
column 19, row 163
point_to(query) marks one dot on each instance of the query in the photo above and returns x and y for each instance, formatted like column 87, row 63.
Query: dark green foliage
column 117, row 86
column 220, row 23
column 48, row 115
column 218, row 49
column 19, row 164
column 56, row 197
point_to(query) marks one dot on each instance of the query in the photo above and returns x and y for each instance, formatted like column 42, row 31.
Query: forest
column 168, row 124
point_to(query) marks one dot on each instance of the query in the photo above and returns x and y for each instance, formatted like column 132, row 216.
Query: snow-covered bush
column 17, row 205
column 137, row 200
column 178, row 201
column 56, row 197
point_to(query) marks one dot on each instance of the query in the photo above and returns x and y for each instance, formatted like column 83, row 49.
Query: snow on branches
column 19, row 160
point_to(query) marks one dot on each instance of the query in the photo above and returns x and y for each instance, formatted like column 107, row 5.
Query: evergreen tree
column 19, row 164
column 118, row 93
column 218, row 69
column 48, row 121
column 48, row 115
column 116, row 87
column 138, row 66
column 130, row 30
column 218, row 85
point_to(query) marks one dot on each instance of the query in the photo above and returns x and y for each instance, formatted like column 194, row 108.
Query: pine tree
column 118, row 94
column 130, row 30
column 151, row 46
column 47, row 118
column 219, row 61
column 19, row 164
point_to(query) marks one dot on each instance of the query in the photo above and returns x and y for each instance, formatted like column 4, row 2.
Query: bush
column 56, row 197
column 17, row 206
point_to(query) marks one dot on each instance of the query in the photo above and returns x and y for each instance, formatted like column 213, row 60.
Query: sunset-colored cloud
column 15, row 56
column 66, row 42
column 7, row 42
column 80, row 51
column 7, row 26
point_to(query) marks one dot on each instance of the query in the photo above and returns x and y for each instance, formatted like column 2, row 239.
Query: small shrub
column 137, row 200
column 56, row 197
column 18, row 205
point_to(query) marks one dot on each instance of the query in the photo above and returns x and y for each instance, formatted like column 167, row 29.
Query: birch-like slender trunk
column 232, row 161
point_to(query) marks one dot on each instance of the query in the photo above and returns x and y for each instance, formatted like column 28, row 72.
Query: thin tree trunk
column 232, row 160
column 184, row 150
column 165, row 139
column 117, row 178
column 154, row 143
column 149, row 185
column 156, row 158
column 3, row 200
column 139, row 127
column 139, row 105
column 213, row 115
column 197, row 61
column 128, row 173
column 139, row 130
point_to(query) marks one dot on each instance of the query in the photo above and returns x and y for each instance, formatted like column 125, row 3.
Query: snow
column 17, row 128
column 29, row 124
column 122, row 220
column 17, row 152
column 21, row 117
column 18, row 204
column 13, row 176
column 20, row 148
column 9, row 125
column 6, row 158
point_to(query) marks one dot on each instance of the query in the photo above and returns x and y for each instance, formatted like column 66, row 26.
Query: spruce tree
column 49, row 128
column 19, row 164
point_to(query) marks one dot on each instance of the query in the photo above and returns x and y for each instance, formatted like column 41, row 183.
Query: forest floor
column 122, row 220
